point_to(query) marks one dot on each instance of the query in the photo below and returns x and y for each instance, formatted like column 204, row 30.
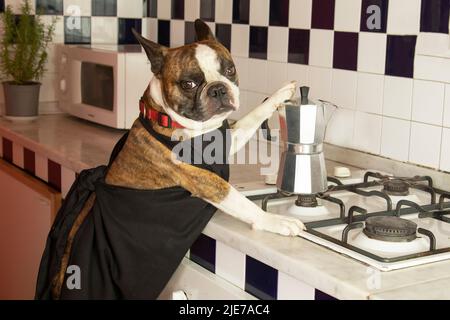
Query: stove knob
column 342, row 172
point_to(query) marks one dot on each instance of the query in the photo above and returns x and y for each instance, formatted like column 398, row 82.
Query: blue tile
column 77, row 30
column 345, row 55
column 374, row 14
column 208, row 10
column 223, row 34
column 189, row 32
column 434, row 16
column 49, row 7
column 319, row 295
column 104, row 8
column 323, row 14
column 151, row 8
column 400, row 55
column 203, row 252
column 178, row 9
column 258, row 42
column 164, row 32
column 125, row 34
column 298, row 51
column 241, row 11
column 279, row 13
column 261, row 280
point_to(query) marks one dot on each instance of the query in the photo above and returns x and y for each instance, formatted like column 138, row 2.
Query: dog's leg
column 245, row 128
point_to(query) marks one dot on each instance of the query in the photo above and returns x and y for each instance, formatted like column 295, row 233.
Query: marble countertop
column 79, row 144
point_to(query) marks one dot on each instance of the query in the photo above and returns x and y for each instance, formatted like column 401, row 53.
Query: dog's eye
column 230, row 71
column 188, row 85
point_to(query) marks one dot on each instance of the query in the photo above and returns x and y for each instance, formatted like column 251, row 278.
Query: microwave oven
column 102, row 83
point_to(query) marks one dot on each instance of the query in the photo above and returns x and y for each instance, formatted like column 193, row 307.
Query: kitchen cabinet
column 27, row 209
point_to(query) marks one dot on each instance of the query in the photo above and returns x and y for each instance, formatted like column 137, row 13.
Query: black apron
column 132, row 241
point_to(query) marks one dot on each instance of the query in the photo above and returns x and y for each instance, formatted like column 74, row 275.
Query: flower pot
column 21, row 100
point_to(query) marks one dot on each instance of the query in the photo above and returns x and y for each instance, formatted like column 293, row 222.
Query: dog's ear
column 155, row 52
column 203, row 31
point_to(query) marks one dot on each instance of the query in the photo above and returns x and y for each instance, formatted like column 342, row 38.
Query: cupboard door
column 27, row 209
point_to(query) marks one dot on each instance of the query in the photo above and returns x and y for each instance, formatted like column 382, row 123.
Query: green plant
column 23, row 47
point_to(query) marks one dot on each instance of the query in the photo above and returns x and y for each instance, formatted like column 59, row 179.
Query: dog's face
column 197, row 82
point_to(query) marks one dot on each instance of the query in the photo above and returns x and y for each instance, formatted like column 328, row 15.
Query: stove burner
column 396, row 187
column 306, row 201
column 390, row 229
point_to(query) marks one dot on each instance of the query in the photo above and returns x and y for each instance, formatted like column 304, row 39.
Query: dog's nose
column 217, row 91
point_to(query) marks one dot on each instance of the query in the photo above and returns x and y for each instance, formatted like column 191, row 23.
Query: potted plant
column 23, row 55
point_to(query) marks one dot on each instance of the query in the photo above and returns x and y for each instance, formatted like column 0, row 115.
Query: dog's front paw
column 285, row 226
column 283, row 94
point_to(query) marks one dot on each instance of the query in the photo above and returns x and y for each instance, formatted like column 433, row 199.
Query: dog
column 127, row 226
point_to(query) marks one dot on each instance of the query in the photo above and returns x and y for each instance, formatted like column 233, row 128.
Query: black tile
column 208, row 10
column 261, row 280
column 189, row 32
column 178, row 9
column 77, row 31
column 125, row 34
column 258, row 42
column 50, row 7
column 241, row 11
column 400, row 55
column 203, row 252
column 151, row 8
column 7, row 150
column 434, row 16
column 322, row 14
column 223, row 34
column 279, row 13
column 105, row 8
column 164, row 32
column 345, row 54
column 2, row 5
column 374, row 14
column 298, row 51
column 319, row 295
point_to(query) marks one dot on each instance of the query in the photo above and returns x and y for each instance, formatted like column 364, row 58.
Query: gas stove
column 384, row 221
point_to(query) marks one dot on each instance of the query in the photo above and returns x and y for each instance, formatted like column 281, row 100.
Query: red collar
column 159, row 117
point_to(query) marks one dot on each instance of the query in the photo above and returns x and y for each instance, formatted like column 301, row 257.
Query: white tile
column 430, row 43
column 290, row 288
column 344, row 88
column 82, row 7
column 321, row 48
column 67, row 179
column 151, row 31
column 367, row 135
column 244, row 108
column 404, row 17
column 428, row 102
column 370, row 93
column 372, row 52
column 395, row 139
column 132, row 8
column 230, row 264
column 15, row 5
column 255, row 99
column 397, row 97
column 445, row 152
column 300, row 14
column 41, row 167
column 320, row 82
column 48, row 88
column 447, row 106
column 58, row 36
column 299, row 73
column 259, row 12
column 18, row 155
column 164, row 10
column 432, row 68
column 240, row 35
column 176, row 33
column 212, row 26
column 340, row 128
column 257, row 72
column 242, row 71
column 278, row 42
column 104, row 29
column 278, row 76
column 425, row 144
column 224, row 11
column 191, row 9
column 347, row 15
